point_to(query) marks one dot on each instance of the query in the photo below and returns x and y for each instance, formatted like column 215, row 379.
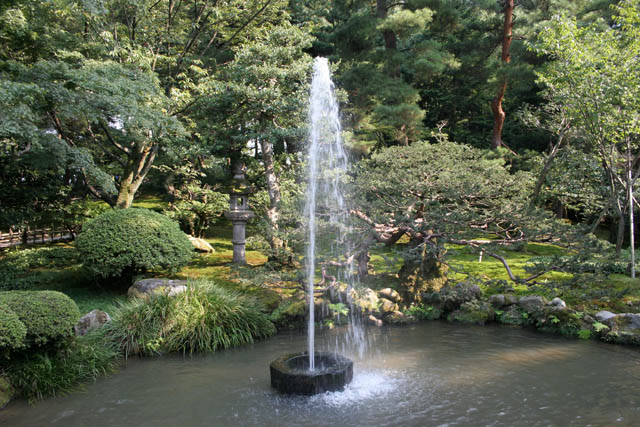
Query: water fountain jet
column 313, row 372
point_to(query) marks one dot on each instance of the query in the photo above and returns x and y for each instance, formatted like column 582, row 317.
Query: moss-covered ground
column 615, row 292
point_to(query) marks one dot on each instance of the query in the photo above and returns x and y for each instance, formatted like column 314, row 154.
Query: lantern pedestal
column 239, row 212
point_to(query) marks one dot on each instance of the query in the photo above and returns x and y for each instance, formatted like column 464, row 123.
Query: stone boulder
column 473, row 312
column 387, row 306
column 373, row 320
column 624, row 328
column 145, row 287
column 497, row 300
column 557, row 304
column 340, row 293
column 366, row 300
column 453, row 297
column 398, row 318
column 502, row 300
column 631, row 320
column 390, row 294
column 91, row 321
column 605, row 316
column 510, row 299
column 532, row 303
column 201, row 245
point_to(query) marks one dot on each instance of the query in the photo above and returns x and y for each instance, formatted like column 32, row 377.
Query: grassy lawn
column 153, row 203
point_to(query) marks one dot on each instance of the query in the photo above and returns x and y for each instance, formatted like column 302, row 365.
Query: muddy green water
column 429, row 374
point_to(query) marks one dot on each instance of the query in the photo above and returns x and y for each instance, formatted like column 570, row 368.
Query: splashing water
column 325, row 210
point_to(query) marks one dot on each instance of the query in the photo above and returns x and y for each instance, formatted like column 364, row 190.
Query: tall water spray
column 325, row 205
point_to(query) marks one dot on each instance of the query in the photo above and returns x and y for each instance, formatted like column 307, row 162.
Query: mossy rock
column 624, row 329
column 144, row 288
column 367, row 301
column 398, row 318
column 420, row 276
column 452, row 297
column 565, row 322
column 621, row 337
column 6, row 392
column 290, row 314
column 477, row 313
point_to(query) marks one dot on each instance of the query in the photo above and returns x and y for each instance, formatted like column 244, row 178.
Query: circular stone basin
column 290, row 373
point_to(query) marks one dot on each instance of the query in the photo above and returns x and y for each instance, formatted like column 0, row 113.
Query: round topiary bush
column 12, row 330
column 123, row 242
column 48, row 316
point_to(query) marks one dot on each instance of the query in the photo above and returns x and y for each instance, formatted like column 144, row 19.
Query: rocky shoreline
column 466, row 303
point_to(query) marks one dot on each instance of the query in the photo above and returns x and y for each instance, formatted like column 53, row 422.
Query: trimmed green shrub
column 48, row 316
column 36, row 375
column 204, row 318
column 125, row 242
column 12, row 331
column 17, row 265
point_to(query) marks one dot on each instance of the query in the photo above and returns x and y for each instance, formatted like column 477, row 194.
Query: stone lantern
column 239, row 212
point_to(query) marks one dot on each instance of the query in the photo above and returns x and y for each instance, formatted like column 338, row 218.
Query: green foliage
column 124, row 242
column 12, row 331
column 584, row 334
column 197, row 210
column 599, row 327
column 48, row 316
column 36, row 375
column 204, row 318
column 339, row 309
column 339, row 313
column 593, row 78
column 514, row 315
column 423, row 312
column 290, row 314
column 18, row 266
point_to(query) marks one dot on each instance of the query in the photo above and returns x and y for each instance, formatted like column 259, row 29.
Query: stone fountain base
column 290, row 373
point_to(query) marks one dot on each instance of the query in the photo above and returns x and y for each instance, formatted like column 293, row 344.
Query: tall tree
column 593, row 76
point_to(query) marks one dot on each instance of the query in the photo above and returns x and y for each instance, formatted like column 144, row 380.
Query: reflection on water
column 429, row 374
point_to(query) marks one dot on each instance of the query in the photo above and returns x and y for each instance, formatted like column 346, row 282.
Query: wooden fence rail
column 29, row 236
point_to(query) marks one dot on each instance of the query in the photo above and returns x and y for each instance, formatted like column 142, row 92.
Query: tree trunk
column 136, row 172
column 363, row 264
column 496, row 103
column 382, row 10
column 555, row 149
column 424, row 274
column 125, row 193
column 273, row 188
column 631, row 227
column 620, row 233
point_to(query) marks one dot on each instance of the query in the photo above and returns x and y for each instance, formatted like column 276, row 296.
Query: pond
column 433, row 373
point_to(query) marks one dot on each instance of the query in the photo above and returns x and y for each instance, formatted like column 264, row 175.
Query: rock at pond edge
column 145, row 287
column 91, row 321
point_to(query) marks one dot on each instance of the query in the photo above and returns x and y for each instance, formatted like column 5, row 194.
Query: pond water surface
column 429, row 374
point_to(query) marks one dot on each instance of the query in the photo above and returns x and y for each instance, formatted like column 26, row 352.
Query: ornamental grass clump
column 40, row 374
column 39, row 353
column 204, row 318
column 121, row 243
